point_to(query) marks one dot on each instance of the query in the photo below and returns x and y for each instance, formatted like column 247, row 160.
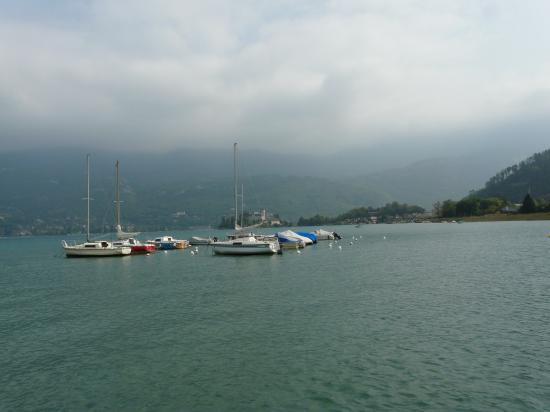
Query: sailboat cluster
column 242, row 242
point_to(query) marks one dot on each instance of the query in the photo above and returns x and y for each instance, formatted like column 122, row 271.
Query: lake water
column 410, row 317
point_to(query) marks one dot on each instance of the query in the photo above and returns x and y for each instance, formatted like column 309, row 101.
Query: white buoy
column 330, row 245
column 384, row 237
column 192, row 253
column 165, row 251
column 351, row 243
column 340, row 247
column 298, row 252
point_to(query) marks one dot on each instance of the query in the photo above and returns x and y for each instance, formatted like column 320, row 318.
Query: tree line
column 361, row 214
column 477, row 206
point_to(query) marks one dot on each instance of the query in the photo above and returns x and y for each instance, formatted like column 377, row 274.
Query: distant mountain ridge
column 42, row 191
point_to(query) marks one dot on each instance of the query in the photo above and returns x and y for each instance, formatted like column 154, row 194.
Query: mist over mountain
column 42, row 191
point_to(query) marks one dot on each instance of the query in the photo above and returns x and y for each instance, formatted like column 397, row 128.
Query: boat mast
column 88, row 198
column 117, row 201
column 235, row 183
column 242, row 205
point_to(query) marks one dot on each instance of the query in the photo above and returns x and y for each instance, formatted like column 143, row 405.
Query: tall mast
column 235, row 182
column 117, row 201
column 88, row 198
column 242, row 205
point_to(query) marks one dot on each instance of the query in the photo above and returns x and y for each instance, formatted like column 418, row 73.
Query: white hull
column 249, row 246
column 291, row 245
column 323, row 235
column 81, row 252
column 200, row 241
column 95, row 249
column 243, row 251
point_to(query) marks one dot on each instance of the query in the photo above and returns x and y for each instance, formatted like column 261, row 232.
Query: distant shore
column 502, row 217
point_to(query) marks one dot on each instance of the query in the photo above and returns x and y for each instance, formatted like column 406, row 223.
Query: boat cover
column 293, row 235
column 309, row 235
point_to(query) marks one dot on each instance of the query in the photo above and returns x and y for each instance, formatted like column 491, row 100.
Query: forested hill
column 41, row 191
column 512, row 183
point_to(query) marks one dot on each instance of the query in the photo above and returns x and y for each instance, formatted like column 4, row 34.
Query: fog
column 409, row 79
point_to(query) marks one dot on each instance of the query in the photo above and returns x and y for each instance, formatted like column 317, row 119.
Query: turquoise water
column 431, row 317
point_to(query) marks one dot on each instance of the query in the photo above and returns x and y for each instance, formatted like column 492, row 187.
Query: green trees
column 389, row 210
column 471, row 206
column 529, row 205
column 447, row 208
column 528, row 175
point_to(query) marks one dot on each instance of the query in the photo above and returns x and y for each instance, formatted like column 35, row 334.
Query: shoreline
column 499, row 217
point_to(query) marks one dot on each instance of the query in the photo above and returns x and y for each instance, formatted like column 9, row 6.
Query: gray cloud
column 292, row 75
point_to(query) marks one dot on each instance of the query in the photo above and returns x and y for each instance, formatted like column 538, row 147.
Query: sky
column 291, row 75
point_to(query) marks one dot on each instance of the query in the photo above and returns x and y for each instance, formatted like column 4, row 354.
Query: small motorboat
column 288, row 242
column 168, row 243
column 293, row 235
column 309, row 235
column 195, row 240
column 136, row 246
column 324, row 235
column 246, row 246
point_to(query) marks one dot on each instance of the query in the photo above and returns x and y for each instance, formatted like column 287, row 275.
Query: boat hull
column 290, row 245
column 181, row 244
column 200, row 241
column 143, row 249
column 106, row 252
column 177, row 244
column 243, row 250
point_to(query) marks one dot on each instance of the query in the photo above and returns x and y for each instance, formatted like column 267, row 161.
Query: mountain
column 430, row 180
column 42, row 191
column 528, row 176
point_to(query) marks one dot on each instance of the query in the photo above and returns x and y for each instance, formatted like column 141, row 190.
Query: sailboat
column 120, row 234
column 93, row 248
column 126, row 238
column 242, row 242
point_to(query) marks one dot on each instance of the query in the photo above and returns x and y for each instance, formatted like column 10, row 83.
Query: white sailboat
column 93, row 248
column 243, row 243
column 127, row 238
column 120, row 234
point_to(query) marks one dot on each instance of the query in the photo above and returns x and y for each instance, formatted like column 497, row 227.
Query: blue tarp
column 309, row 235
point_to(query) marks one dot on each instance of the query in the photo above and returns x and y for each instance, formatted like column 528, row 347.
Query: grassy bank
column 500, row 217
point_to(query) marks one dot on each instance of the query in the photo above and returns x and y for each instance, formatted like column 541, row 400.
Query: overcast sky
column 291, row 75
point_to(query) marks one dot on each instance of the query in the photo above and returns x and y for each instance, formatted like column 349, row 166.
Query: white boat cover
column 323, row 235
column 293, row 235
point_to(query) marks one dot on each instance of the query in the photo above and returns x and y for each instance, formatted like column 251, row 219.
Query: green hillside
column 42, row 204
column 512, row 183
column 42, row 192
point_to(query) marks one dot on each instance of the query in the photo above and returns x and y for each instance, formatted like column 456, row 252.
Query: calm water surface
column 431, row 317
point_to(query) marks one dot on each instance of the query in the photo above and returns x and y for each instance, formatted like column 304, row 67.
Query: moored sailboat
column 93, row 248
column 241, row 242
column 126, row 239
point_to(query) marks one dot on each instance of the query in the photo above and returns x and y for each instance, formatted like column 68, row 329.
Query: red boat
column 136, row 246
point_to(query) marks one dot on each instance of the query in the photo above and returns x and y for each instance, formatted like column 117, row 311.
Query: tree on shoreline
column 529, row 205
